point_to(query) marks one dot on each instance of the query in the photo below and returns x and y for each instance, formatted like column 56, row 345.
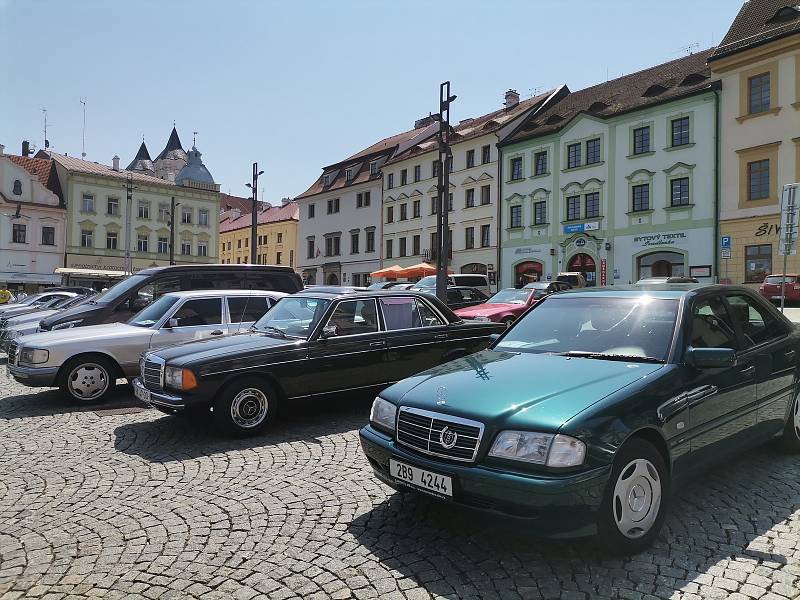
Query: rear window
column 776, row 279
column 570, row 279
column 247, row 309
column 472, row 280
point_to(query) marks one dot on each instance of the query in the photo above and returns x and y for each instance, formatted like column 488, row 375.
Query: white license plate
column 776, row 297
column 426, row 480
column 141, row 393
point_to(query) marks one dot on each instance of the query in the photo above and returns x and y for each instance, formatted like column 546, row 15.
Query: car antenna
column 244, row 310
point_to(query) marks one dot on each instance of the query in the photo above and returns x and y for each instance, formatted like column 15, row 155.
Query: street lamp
column 254, row 222
column 443, row 204
column 172, row 206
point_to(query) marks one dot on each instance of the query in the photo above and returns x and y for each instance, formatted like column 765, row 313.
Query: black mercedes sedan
column 308, row 345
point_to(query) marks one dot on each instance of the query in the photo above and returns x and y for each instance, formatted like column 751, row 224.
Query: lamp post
column 172, row 206
column 254, row 219
column 443, row 204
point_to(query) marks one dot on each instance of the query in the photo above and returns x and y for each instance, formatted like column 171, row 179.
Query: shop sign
column 581, row 227
column 660, row 239
column 767, row 229
column 527, row 250
column 580, row 242
column 603, row 267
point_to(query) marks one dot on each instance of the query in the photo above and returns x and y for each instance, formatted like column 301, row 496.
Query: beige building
column 276, row 235
column 758, row 62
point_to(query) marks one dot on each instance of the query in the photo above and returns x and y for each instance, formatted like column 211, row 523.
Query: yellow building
column 758, row 62
column 276, row 237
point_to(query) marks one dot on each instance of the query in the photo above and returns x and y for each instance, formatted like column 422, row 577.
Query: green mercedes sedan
column 583, row 415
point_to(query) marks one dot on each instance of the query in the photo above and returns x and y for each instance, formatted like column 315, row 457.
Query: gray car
column 19, row 325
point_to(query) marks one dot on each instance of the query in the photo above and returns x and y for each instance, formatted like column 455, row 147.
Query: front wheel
column 89, row 379
column 635, row 501
column 246, row 407
column 791, row 433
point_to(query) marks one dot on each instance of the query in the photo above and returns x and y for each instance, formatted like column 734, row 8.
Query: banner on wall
column 602, row 271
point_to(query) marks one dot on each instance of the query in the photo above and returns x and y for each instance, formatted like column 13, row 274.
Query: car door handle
column 217, row 332
column 748, row 371
column 789, row 355
column 440, row 336
column 375, row 344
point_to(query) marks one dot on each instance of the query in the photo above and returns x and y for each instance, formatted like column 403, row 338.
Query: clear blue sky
column 297, row 85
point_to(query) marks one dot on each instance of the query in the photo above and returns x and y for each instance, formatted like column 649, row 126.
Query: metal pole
column 128, row 209
column 443, row 204
column 172, row 231
column 788, row 235
column 254, row 217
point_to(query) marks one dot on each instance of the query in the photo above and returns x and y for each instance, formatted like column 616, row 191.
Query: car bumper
column 34, row 376
column 559, row 507
column 157, row 398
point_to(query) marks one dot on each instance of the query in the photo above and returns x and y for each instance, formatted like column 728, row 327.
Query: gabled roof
column 77, row 165
column 142, row 160
column 759, row 22
column 43, row 169
column 287, row 212
column 174, row 148
column 618, row 96
column 245, row 205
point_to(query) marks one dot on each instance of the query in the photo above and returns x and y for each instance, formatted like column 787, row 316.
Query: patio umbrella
column 420, row 270
column 393, row 271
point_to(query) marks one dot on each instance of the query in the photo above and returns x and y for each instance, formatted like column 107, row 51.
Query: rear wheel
column 791, row 433
column 246, row 407
column 89, row 379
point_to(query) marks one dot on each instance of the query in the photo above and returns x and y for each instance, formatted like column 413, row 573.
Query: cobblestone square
column 123, row 502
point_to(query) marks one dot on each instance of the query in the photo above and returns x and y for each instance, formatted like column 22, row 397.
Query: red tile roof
column 228, row 202
column 78, row 165
column 43, row 169
column 286, row 212
column 759, row 22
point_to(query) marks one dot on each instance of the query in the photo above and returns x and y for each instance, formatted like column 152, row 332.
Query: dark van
column 123, row 300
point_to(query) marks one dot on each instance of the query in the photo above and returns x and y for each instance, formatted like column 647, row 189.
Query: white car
column 85, row 362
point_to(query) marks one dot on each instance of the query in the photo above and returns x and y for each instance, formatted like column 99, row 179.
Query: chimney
column 115, row 163
column 512, row 98
column 236, row 213
column 26, row 148
column 423, row 122
column 285, row 201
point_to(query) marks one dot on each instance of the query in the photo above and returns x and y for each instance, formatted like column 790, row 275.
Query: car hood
column 72, row 314
column 524, row 390
column 95, row 333
column 225, row 348
column 17, row 310
column 28, row 317
column 486, row 310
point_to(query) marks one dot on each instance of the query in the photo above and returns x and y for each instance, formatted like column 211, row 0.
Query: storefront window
column 757, row 262
column 527, row 272
column 661, row 264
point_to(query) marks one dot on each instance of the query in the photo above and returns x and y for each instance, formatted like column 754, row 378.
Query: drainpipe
column 499, row 265
column 716, row 185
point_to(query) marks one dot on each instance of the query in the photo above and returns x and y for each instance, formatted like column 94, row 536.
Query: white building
column 32, row 223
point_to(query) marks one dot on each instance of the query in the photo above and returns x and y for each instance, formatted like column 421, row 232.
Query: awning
column 392, row 271
column 420, row 270
column 40, row 278
column 91, row 272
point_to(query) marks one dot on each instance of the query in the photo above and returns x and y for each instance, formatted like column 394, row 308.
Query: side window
column 215, row 280
column 427, row 317
column 454, row 295
column 244, row 310
column 407, row 313
column 711, row 325
column 354, row 317
column 756, row 323
column 194, row 313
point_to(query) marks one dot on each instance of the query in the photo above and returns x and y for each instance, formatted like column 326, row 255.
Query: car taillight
column 796, row 287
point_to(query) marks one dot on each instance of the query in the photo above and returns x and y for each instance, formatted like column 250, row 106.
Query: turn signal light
column 189, row 380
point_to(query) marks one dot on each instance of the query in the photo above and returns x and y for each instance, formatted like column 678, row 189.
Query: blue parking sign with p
column 725, row 241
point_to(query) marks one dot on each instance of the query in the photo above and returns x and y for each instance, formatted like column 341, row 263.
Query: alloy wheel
column 88, row 381
column 637, row 498
column 796, row 416
column 249, row 408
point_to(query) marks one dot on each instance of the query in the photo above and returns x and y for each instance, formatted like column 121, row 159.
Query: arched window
column 17, row 187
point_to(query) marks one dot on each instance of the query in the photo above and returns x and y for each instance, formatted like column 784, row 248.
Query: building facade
column 32, row 223
column 615, row 181
column 758, row 62
column 276, row 235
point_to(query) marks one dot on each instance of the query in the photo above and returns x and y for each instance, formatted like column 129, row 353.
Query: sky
column 300, row 84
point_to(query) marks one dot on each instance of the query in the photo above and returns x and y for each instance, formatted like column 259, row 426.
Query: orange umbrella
column 420, row 270
column 393, row 271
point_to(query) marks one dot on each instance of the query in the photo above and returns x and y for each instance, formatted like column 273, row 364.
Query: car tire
column 508, row 321
column 635, row 500
column 791, row 432
column 246, row 407
column 88, row 379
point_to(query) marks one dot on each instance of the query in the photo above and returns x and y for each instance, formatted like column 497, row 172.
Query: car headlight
column 68, row 324
column 539, row 448
column 383, row 414
column 179, row 379
column 33, row 356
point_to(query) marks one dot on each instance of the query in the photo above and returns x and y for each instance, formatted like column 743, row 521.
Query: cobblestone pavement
column 130, row 503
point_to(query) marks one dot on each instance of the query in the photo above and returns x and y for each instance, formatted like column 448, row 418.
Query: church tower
column 142, row 162
column 172, row 158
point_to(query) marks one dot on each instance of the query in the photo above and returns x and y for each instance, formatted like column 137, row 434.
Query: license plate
column 776, row 297
column 426, row 480
column 141, row 393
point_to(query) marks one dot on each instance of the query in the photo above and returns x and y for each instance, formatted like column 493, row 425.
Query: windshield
column 294, row 317
column 638, row 327
column 570, row 279
column 509, row 297
column 425, row 282
column 153, row 313
column 30, row 299
column 65, row 302
column 54, row 302
column 776, row 279
column 120, row 289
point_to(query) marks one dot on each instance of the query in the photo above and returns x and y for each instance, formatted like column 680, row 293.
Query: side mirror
column 328, row 331
column 173, row 323
column 711, row 358
column 139, row 303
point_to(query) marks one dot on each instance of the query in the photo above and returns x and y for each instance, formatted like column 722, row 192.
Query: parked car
column 382, row 285
column 35, row 302
column 124, row 299
column 457, row 279
column 459, row 296
column 403, row 286
column 575, row 279
column 308, row 345
column 508, row 304
column 22, row 324
column 588, row 410
column 771, row 287
column 85, row 362
column 663, row 280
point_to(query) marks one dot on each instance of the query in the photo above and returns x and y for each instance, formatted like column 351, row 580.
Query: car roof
column 350, row 295
column 660, row 290
column 205, row 267
column 203, row 293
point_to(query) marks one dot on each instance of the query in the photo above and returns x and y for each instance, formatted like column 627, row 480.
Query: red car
column 771, row 288
column 508, row 304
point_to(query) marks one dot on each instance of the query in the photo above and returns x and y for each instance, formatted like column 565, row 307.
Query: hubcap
column 88, row 381
column 796, row 412
column 637, row 498
column 249, row 408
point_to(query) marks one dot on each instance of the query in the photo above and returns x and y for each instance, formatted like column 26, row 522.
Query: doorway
column 527, row 272
column 584, row 264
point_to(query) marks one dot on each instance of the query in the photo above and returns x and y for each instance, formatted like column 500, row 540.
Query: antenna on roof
column 535, row 91
column 688, row 49
column 194, row 138
column 83, row 134
column 46, row 141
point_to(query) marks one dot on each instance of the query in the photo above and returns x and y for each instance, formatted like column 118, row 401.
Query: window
column 417, row 173
column 202, row 249
column 246, row 309
column 679, row 191
column 87, row 238
column 310, row 248
column 366, row 199
column 434, row 245
column 48, row 236
column 540, row 163
column 415, row 245
column 186, row 247
column 310, row 211
column 592, row 202
column 403, row 176
column 163, row 212
column 144, row 209
column 359, row 200
column 758, row 92
column 17, row 189
column 141, row 243
column 111, row 240
column 390, row 180
column 87, row 203
column 435, row 168
column 348, row 175
column 758, row 180
column 112, row 206
column 756, row 324
column 373, row 168
column 485, row 236
column 186, row 216
column 403, row 212
column 641, row 140
column 711, row 325
column 18, row 232
column 516, row 216
column 449, row 202
column 277, row 258
column 415, row 209
column 390, row 214
column 354, row 239
column 539, row 213
column 333, row 245
column 238, row 243
column 469, row 238
column 469, row 198
column 434, row 205
column 370, row 241
column 641, row 197
column 333, row 206
column 486, row 154
column 388, row 248
column 402, row 251
column 326, row 180
column 196, row 313
column 573, row 156
column 593, row 151
column 516, row 168
column 202, row 217
column 573, row 208
column 757, row 262
column 470, row 158
column 280, row 238
column 450, row 164
column 680, row 131
column 163, row 245
column 355, row 317
column 486, row 197
column 407, row 313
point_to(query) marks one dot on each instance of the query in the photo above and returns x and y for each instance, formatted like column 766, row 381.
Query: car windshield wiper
column 607, row 356
column 280, row 332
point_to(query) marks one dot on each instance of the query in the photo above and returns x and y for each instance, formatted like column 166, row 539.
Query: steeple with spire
column 142, row 161
column 172, row 158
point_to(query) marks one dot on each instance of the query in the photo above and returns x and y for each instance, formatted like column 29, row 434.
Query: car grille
column 12, row 353
column 422, row 431
column 152, row 373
